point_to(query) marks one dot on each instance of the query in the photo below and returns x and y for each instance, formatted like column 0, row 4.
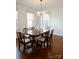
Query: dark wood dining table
column 34, row 34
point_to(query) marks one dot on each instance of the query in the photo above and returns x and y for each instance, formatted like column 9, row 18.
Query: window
column 30, row 18
column 45, row 21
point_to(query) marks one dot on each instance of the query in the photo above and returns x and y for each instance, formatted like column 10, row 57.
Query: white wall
column 22, row 20
column 56, row 20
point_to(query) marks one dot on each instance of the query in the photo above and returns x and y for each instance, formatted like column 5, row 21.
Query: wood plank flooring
column 53, row 52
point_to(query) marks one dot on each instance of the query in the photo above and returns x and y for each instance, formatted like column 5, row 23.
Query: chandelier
column 41, row 11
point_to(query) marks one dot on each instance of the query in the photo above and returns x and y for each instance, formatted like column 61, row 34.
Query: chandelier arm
column 41, row 11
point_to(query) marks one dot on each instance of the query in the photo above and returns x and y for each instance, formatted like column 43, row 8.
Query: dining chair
column 50, row 37
column 27, row 42
column 25, row 30
column 19, row 35
column 41, row 40
column 33, row 28
column 23, row 40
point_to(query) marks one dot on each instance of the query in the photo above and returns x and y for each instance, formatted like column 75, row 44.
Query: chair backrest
column 33, row 28
column 19, row 35
column 46, row 34
column 25, row 30
column 51, row 34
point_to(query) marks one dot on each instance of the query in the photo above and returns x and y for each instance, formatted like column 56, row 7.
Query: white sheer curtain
column 44, row 21
column 30, row 18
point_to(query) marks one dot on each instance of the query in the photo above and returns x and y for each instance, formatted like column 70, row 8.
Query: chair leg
column 24, row 49
column 44, row 44
column 50, row 42
column 37, row 44
column 19, row 45
column 41, row 44
column 47, row 43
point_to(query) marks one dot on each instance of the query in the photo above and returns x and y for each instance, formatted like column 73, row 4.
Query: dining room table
column 35, row 33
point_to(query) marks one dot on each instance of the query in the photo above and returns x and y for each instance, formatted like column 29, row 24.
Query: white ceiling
column 46, row 3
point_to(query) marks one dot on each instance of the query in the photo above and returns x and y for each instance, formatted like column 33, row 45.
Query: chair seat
column 26, row 40
column 27, row 35
column 41, row 39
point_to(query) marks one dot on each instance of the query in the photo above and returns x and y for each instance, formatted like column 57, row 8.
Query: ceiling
column 36, row 3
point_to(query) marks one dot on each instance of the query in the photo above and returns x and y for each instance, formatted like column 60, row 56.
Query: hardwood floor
column 53, row 52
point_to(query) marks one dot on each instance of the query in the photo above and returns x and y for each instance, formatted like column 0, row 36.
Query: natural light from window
column 44, row 21
column 30, row 18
